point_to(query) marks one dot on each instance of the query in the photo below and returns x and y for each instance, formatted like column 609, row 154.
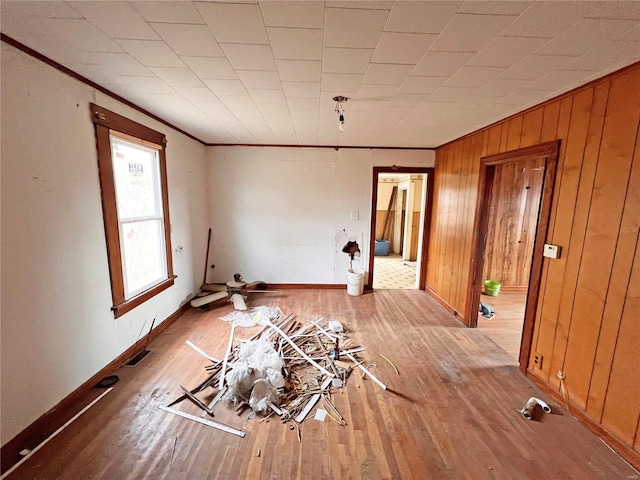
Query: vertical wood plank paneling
column 545, row 316
column 504, row 227
column 573, row 253
column 617, row 292
column 460, row 223
column 491, row 252
column 513, row 219
column 622, row 403
column 433, row 279
column 514, row 132
column 442, row 179
column 549, row 129
column 449, row 232
column 443, row 210
column 564, row 124
column 514, row 181
column 436, row 226
column 480, row 142
column 459, row 201
column 562, row 232
column 531, row 128
column 548, row 133
column 504, row 136
column 533, row 186
column 588, row 306
column 485, row 142
column 605, row 214
column 493, row 140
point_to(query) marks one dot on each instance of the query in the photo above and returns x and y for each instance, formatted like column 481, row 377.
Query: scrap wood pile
column 285, row 369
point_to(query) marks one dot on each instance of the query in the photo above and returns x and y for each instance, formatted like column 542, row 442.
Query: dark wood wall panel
column 513, row 219
column 587, row 321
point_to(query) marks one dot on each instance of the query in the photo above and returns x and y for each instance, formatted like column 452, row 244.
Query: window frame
column 105, row 122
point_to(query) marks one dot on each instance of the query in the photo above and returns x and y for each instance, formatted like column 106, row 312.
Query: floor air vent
column 138, row 358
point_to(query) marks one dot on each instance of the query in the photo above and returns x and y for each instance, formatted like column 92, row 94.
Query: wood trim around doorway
column 548, row 151
column 428, row 202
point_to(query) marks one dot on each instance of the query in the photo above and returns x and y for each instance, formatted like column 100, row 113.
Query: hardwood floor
column 450, row 414
column 505, row 328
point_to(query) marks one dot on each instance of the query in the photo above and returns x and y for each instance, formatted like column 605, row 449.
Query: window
column 133, row 180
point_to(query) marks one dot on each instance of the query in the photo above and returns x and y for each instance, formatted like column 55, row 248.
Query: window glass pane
column 135, row 172
column 143, row 255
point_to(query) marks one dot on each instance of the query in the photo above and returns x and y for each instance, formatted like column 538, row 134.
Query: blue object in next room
column 382, row 248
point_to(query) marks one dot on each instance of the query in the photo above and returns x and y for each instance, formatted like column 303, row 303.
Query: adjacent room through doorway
column 512, row 224
column 399, row 215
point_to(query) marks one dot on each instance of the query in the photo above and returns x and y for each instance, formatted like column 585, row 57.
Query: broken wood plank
column 297, row 349
column 312, row 401
column 367, row 372
column 196, row 400
column 209, row 423
column 353, row 350
column 332, row 336
column 217, row 398
column 226, row 356
column 201, row 352
column 392, row 201
column 273, row 407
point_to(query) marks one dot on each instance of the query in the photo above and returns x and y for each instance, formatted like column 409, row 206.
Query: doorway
column 512, row 216
column 400, row 214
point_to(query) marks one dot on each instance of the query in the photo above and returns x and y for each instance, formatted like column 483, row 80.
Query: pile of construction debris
column 285, row 369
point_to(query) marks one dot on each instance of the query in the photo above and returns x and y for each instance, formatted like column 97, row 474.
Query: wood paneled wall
column 588, row 313
column 513, row 217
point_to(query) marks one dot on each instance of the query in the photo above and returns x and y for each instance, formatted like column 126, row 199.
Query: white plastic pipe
column 530, row 406
column 201, row 352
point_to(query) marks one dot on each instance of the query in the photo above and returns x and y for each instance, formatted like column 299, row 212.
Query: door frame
column 548, row 151
column 426, row 225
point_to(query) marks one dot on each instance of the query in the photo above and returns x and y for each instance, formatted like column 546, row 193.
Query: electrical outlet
column 537, row 360
column 355, row 215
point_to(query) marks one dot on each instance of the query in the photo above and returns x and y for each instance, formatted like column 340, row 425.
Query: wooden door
column 513, row 218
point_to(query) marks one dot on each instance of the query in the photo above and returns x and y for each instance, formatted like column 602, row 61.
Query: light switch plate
column 551, row 251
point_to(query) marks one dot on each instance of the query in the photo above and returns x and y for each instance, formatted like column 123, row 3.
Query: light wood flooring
column 450, row 414
column 505, row 328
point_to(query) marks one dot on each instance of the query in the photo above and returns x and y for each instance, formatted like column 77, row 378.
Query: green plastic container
column 491, row 288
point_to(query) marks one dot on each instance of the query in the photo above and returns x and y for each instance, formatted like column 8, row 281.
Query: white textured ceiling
column 418, row 73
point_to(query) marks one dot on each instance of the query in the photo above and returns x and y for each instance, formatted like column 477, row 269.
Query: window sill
column 124, row 307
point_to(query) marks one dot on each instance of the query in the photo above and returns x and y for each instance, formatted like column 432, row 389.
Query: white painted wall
column 278, row 214
column 282, row 215
column 57, row 328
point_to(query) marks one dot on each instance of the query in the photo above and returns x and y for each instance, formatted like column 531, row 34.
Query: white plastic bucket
column 355, row 282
